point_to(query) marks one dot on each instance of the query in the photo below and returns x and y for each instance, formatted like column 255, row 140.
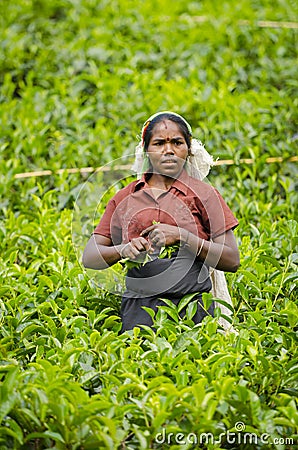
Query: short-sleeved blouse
column 190, row 204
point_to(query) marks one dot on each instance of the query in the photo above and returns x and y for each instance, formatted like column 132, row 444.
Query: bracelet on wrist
column 185, row 243
column 200, row 248
column 121, row 252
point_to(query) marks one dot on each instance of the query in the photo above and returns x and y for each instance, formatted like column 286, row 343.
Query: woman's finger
column 147, row 230
column 140, row 244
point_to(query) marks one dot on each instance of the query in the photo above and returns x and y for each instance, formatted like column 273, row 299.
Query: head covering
column 198, row 162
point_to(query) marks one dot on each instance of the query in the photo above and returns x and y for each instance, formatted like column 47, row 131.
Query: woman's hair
column 166, row 116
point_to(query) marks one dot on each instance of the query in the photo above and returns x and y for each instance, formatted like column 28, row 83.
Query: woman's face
column 167, row 149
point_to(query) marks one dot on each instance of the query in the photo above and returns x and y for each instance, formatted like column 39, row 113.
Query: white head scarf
column 198, row 162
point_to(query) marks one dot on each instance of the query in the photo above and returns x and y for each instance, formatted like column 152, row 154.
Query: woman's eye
column 161, row 143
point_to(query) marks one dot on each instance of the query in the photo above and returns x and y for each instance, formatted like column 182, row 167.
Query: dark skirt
column 133, row 314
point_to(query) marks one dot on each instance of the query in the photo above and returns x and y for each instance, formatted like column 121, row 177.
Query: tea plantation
column 77, row 80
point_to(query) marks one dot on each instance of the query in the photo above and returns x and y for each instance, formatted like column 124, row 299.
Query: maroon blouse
column 190, row 204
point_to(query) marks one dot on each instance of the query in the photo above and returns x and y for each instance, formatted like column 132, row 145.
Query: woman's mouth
column 169, row 161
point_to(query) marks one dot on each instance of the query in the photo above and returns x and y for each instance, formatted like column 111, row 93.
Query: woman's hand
column 133, row 248
column 100, row 252
column 221, row 253
column 161, row 234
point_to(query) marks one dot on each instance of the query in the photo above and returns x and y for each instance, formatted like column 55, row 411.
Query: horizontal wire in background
column 258, row 23
column 85, row 170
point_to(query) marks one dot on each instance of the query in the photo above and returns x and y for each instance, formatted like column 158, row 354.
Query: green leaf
column 8, row 392
column 191, row 310
column 185, row 301
column 150, row 311
column 171, row 312
column 44, row 434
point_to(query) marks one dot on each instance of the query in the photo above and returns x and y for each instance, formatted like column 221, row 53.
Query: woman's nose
column 168, row 148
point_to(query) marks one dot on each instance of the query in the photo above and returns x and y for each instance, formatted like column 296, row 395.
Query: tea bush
column 78, row 78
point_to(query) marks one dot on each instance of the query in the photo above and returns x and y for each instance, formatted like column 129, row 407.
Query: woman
column 167, row 207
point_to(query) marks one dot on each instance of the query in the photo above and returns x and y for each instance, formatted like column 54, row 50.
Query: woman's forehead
column 165, row 127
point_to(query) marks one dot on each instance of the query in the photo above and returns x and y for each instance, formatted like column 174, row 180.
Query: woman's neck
column 160, row 181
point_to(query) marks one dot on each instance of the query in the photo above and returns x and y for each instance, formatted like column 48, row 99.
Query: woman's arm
column 100, row 253
column 221, row 253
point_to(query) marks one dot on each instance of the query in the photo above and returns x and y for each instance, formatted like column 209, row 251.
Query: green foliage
column 67, row 70
column 78, row 78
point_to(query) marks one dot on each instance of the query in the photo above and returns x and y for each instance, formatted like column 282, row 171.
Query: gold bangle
column 201, row 246
column 120, row 252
